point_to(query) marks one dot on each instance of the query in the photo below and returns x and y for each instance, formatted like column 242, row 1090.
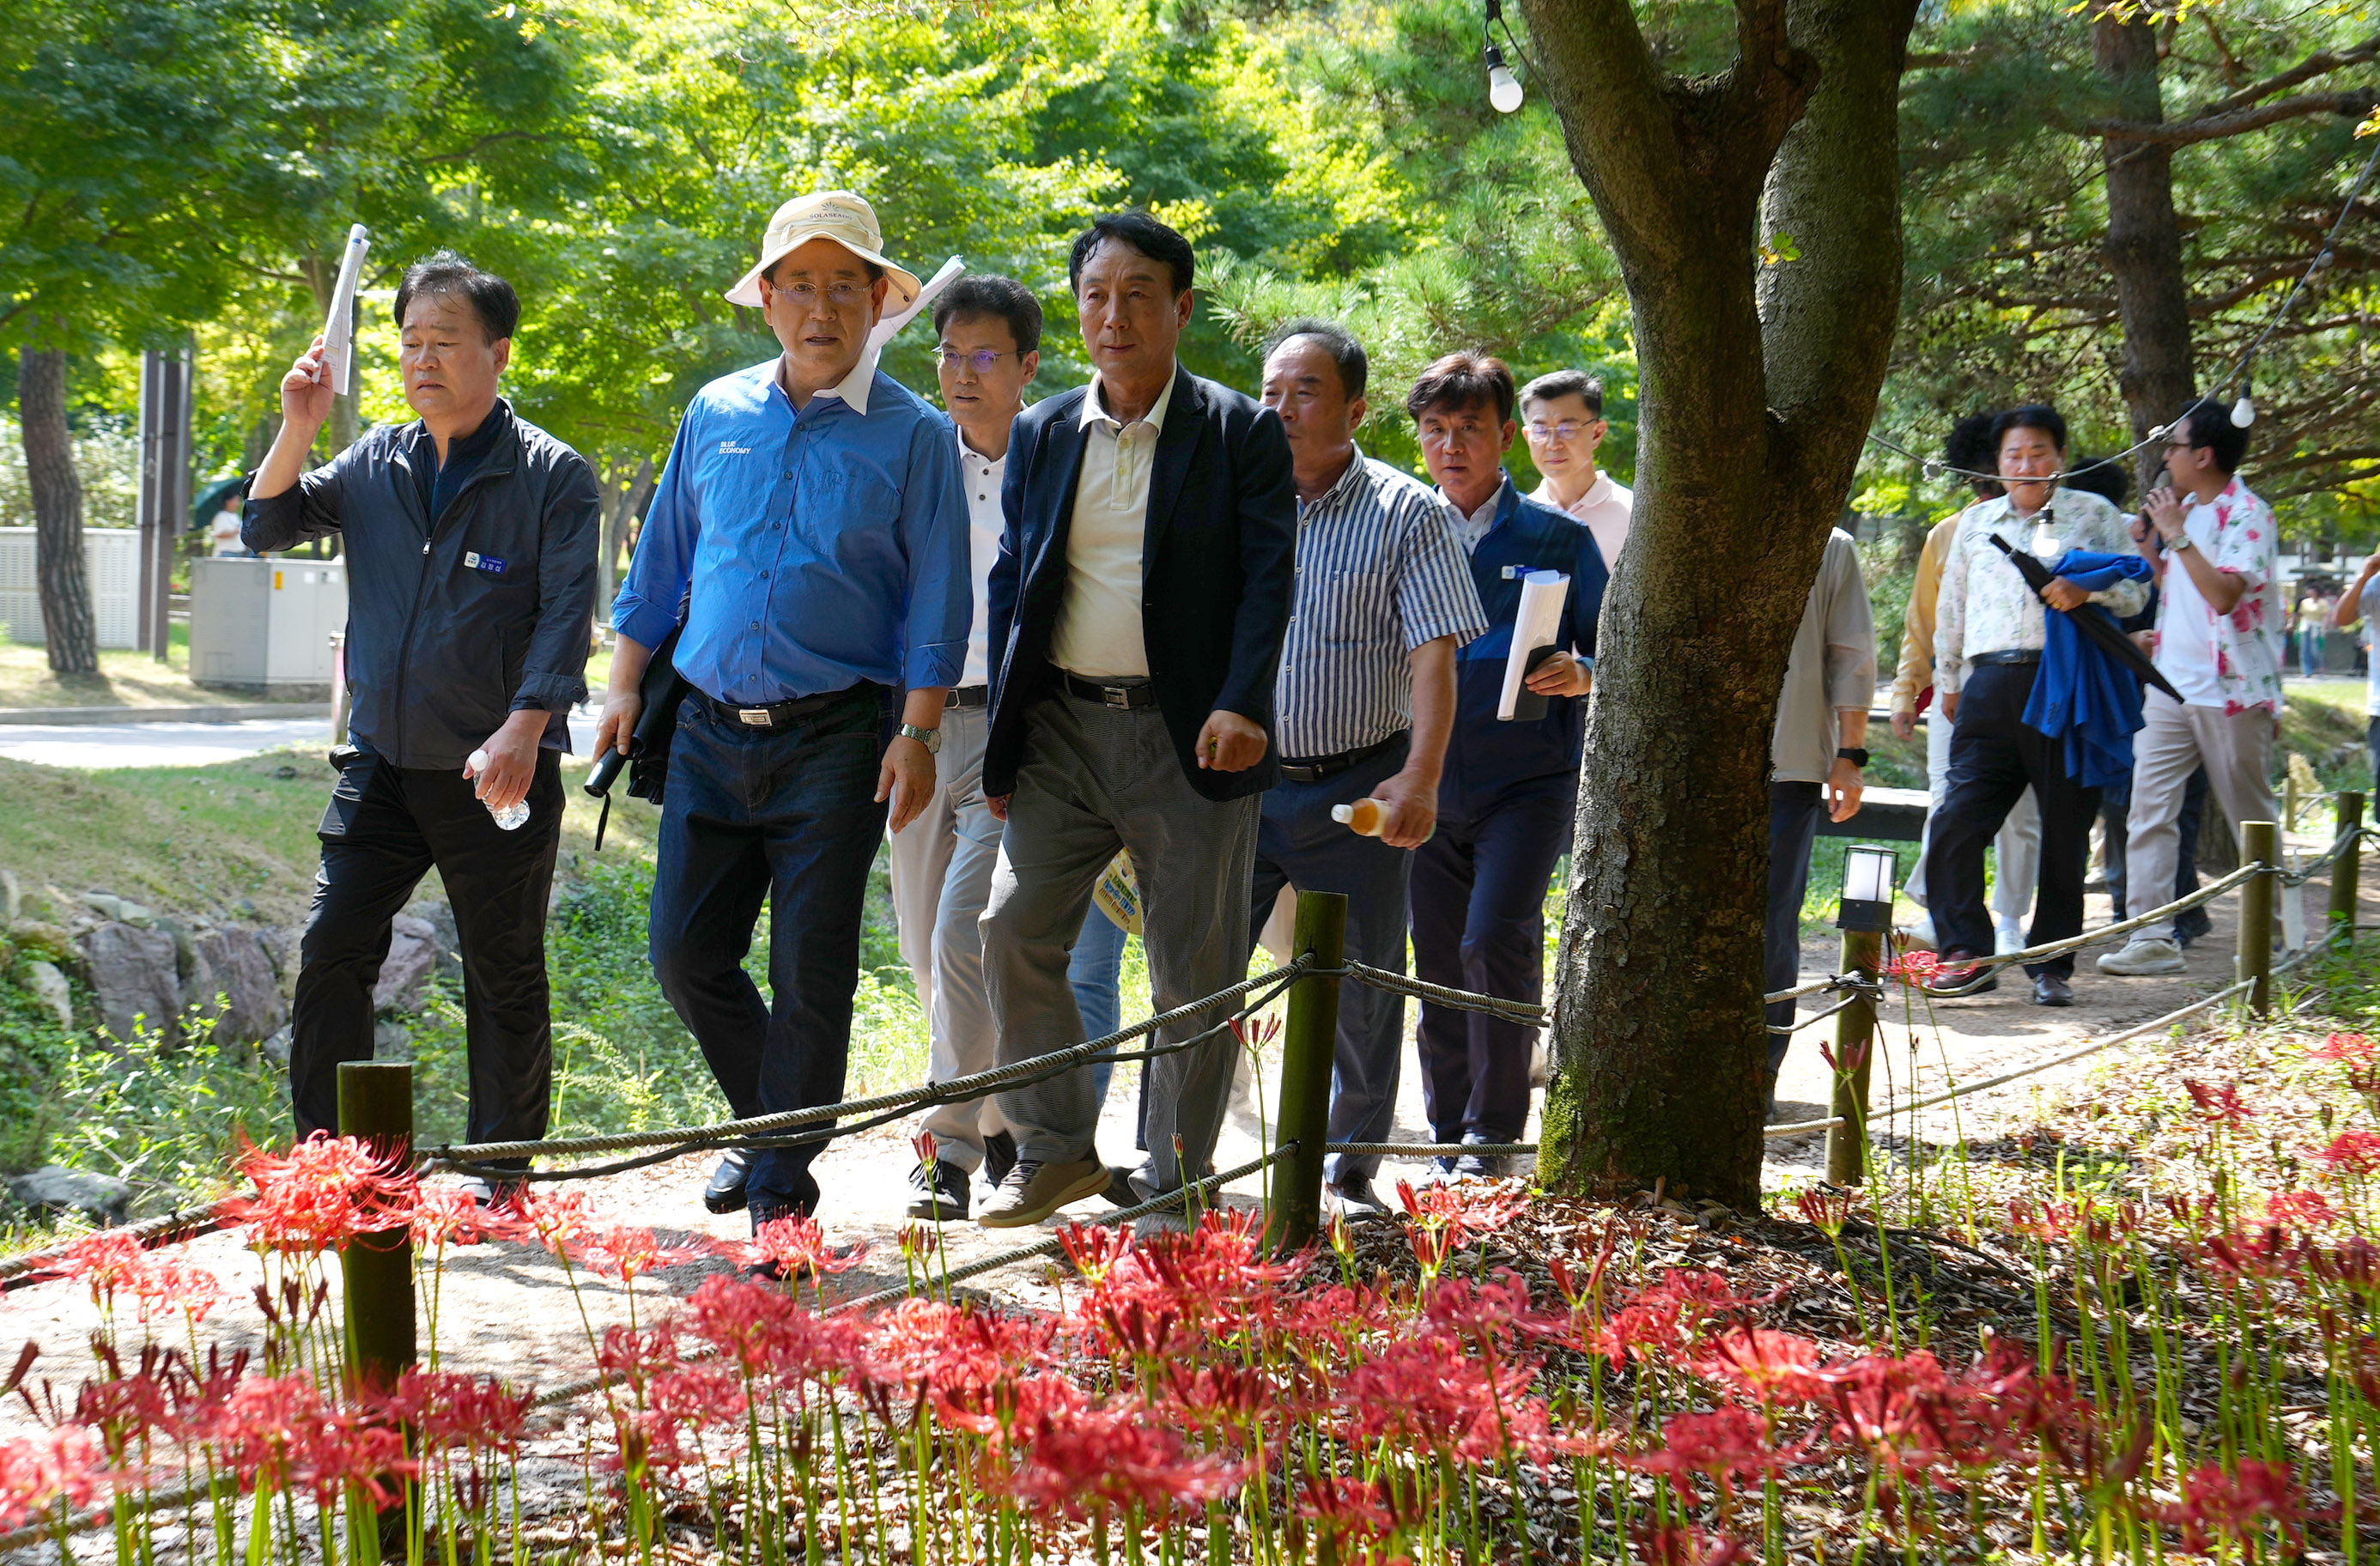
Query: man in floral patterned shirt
column 2219, row 640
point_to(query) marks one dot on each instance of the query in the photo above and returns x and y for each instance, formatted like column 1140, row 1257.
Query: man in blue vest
column 1509, row 789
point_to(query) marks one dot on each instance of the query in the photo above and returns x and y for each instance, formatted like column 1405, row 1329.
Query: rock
column 276, row 1048
column 50, row 988
column 412, row 952
column 134, row 975
column 106, row 904
column 242, row 974
column 47, row 941
column 281, row 945
column 244, row 907
column 189, row 967
column 12, row 896
column 391, row 1040
column 55, row 1188
column 439, row 916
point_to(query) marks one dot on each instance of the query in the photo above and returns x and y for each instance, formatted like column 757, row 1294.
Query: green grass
column 125, row 679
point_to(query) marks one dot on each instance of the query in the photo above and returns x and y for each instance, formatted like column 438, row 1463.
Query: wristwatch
column 1853, row 753
column 2183, row 542
column 930, row 738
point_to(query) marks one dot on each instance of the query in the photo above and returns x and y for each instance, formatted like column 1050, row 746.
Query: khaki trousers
column 2237, row 751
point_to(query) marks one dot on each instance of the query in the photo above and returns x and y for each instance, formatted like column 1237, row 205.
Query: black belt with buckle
column 969, row 696
column 777, row 714
column 2012, row 655
column 1121, row 696
column 1313, row 768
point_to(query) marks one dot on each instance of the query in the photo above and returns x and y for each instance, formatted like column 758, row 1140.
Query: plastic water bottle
column 1363, row 817
column 510, row 818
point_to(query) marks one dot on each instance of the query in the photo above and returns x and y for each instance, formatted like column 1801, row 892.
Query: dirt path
column 508, row 1309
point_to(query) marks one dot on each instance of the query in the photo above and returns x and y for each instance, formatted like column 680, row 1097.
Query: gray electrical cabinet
column 263, row 627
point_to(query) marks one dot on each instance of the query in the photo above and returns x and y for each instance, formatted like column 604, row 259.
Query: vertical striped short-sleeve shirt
column 1379, row 571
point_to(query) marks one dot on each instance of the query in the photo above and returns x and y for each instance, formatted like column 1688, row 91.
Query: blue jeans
column 788, row 815
column 1096, row 970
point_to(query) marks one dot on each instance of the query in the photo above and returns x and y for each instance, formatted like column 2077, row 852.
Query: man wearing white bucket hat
column 808, row 542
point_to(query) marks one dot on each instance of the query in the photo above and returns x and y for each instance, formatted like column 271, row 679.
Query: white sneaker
column 2145, row 956
column 2008, row 937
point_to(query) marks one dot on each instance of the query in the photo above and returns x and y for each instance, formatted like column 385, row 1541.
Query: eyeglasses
column 1569, row 430
column 802, row 296
column 984, row 359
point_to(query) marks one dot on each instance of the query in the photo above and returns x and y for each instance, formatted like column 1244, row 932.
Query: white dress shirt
column 982, row 476
column 1472, row 527
column 1099, row 629
column 1604, row 508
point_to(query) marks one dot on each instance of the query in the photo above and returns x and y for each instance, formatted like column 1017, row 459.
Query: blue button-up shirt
column 823, row 549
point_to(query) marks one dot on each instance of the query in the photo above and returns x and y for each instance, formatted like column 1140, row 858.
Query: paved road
column 188, row 744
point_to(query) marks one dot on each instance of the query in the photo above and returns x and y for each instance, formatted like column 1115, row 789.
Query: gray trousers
column 1095, row 781
column 941, row 878
column 2174, row 741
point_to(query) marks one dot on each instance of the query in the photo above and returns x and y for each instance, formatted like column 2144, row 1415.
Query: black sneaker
column 999, row 1157
column 943, row 1194
column 1357, row 1199
column 1961, row 973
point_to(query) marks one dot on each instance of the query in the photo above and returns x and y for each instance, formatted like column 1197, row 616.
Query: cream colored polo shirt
column 1099, row 629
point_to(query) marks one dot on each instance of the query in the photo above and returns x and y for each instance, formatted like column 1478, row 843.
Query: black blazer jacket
column 1216, row 564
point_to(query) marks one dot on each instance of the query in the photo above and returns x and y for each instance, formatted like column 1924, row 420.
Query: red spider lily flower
column 1429, row 1390
column 126, row 1409
column 2048, row 1222
column 1070, row 1457
column 1257, row 1034
column 1686, row 1546
column 625, row 1254
column 40, row 1470
column 1092, row 1248
column 1726, row 1446
column 2354, row 1048
column 1490, row 1314
column 106, row 1261
column 796, row 1242
column 2217, row 1504
column 556, row 1219
column 1223, row 1395
column 472, row 1413
column 449, row 1215
column 2307, row 1209
column 2222, row 1105
column 1826, row 1210
column 1348, row 1510
column 769, row 1332
column 176, row 1283
column 1916, row 1422
column 349, row 1446
column 1461, row 1210
column 321, row 1194
column 1218, row 1273
column 967, row 1362
column 2351, row 1152
column 1772, row 1367
column 2271, row 1252
column 1914, row 967
column 1665, row 1322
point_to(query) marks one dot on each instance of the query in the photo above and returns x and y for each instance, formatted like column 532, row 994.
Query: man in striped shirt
column 1366, row 700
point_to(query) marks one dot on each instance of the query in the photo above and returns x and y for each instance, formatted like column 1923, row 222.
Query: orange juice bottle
column 1363, row 817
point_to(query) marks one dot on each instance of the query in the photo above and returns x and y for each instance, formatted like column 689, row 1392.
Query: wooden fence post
column 376, row 1106
column 1309, row 1044
column 2346, row 871
column 1854, row 1050
column 2258, row 846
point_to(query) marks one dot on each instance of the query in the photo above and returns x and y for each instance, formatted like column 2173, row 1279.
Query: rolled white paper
column 1537, row 624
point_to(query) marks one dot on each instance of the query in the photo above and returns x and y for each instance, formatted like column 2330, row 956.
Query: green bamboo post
column 2258, row 842
column 376, row 1105
column 1854, row 1045
column 2346, row 871
column 1309, row 1043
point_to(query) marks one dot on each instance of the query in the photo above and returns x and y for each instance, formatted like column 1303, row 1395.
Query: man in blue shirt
column 810, row 532
column 1509, row 787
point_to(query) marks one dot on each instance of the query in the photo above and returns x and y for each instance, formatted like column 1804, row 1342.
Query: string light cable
column 2243, row 411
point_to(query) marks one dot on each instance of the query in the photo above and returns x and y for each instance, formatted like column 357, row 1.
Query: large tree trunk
column 346, row 408
column 2143, row 244
column 63, row 574
column 1754, row 393
column 623, row 497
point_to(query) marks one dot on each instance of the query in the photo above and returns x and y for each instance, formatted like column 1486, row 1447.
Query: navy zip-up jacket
column 1486, row 755
column 453, row 627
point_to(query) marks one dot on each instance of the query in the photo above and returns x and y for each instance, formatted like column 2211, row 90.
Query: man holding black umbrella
column 2219, row 640
column 1990, row 628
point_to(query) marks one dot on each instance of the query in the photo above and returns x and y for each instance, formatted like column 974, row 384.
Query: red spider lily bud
column 928, row 1150
column 1349, row 1510
column 1256, row 1035
column 1826, row 1210
column 2220, row 1105
column 918, row 1242
column 443, row 1408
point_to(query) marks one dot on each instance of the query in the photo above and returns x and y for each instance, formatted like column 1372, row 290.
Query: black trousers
column 385, row 828
column 1479, row 923
column 1994, row 757
column 1794, row 812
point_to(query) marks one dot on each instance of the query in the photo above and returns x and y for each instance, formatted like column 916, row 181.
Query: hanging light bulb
column 1504, row 86
column 2244, row 412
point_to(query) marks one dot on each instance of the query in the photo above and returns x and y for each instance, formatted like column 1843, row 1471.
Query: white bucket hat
column 838, row 215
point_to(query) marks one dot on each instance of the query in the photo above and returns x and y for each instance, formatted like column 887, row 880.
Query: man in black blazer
column 1138, row 612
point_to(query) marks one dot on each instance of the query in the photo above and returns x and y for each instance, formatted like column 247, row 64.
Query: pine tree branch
column 2304, row 70
column 2216, row 127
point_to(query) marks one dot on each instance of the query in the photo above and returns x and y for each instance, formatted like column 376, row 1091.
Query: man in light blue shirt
column 809, row 535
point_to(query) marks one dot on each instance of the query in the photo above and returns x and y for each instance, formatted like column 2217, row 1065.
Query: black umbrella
column 2090, row 619
column 663, row 690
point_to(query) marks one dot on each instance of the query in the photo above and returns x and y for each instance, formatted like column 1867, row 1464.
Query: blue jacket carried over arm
column 2083, row 696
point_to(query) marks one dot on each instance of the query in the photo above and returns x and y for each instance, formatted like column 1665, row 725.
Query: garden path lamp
column 1504, row 86
column 1867, row 889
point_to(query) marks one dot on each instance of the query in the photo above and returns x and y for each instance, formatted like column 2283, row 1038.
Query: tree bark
column 1755, row 390
column 2143, row 243
column 63, row 574
column 622, row 498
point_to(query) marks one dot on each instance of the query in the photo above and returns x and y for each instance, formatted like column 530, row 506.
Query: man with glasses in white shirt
column 1564, row 423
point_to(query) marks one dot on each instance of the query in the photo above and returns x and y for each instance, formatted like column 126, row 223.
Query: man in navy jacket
column 1138, row 612
column 1509, row 789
